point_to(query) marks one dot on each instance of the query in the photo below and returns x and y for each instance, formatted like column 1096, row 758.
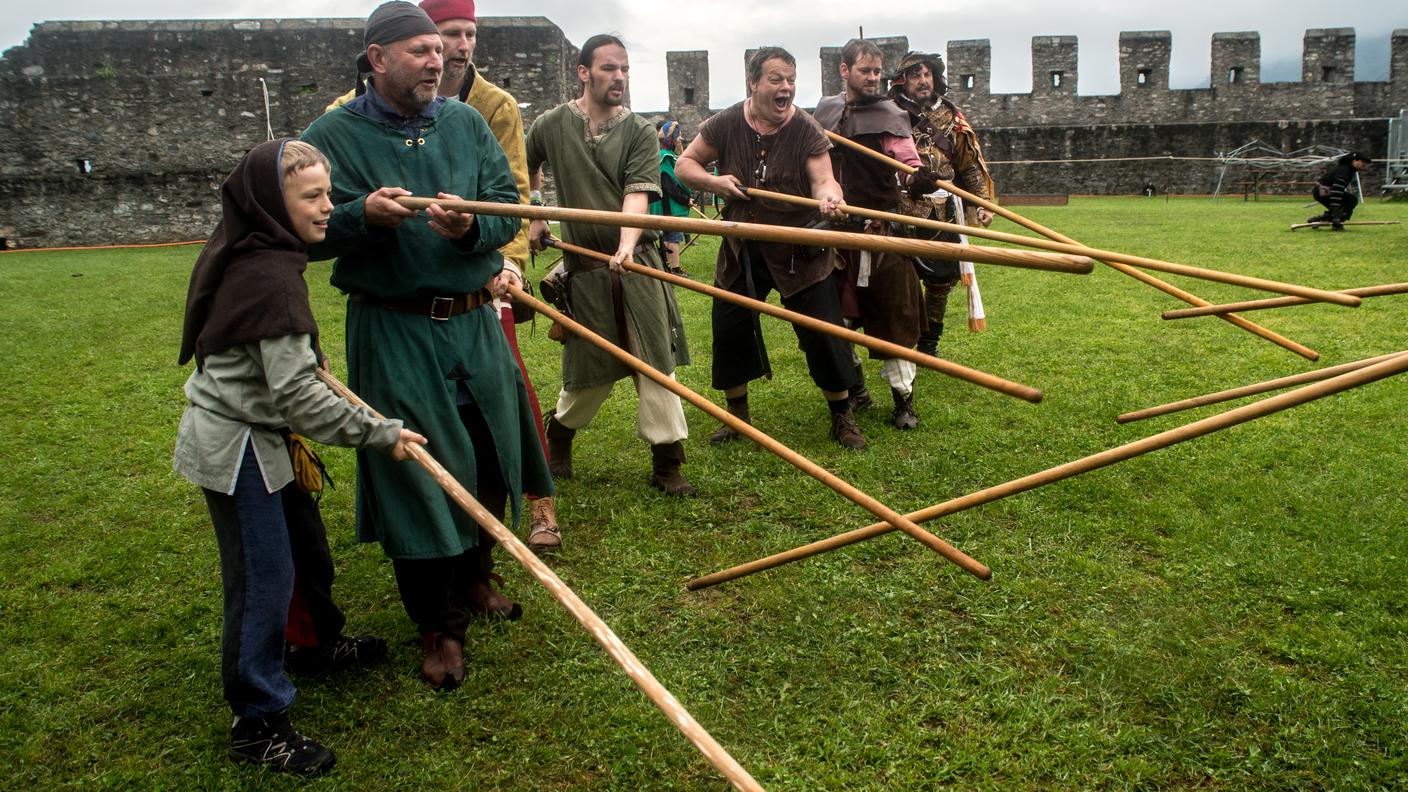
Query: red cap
column 441, row 10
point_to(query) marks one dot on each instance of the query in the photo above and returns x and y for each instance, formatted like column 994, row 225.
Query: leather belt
column 437, row 308
column 618, row 293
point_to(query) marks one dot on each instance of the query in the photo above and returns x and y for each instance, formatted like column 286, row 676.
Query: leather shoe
column 725, row 432
column 432, row 665
column 543, row 533
column 452, row 656
column 487, row 602
column 845, row 431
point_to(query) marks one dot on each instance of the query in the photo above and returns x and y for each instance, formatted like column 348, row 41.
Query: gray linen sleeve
column 310, row 407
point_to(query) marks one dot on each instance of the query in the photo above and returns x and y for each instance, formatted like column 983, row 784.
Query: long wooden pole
column 1051, row 262
column 1247, row 281
column 1163, row 286
column 1279, row 302
column 634, row 668
column 746, row 429
column 1294, row 226
column 1387, row 368
column 1251, row 390
column 811, row 323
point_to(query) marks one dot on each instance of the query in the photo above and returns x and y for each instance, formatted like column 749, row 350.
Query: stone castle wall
column 1327, row 88
column 120, row 132
column 123, row 131
column 1033, row 137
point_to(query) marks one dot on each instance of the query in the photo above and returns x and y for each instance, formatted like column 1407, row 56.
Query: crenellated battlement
column 121, row 131
column 1235, row 92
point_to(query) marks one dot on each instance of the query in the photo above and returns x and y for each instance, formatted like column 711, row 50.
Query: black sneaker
column 346, row 652
column 274, row 742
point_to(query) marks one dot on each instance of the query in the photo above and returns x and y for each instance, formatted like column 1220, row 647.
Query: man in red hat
column 459, row 29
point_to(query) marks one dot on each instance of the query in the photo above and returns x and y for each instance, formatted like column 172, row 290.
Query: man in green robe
column 423, row 339
column 603, row 156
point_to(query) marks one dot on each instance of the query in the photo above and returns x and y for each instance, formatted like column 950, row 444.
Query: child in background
column 674, row 199
column 250, row 328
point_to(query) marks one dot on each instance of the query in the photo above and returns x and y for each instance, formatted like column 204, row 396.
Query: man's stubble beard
column 453, row 75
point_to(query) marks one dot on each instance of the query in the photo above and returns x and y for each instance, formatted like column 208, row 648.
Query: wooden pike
column 619, row 652
column 746, row 429
column 1247, row 281
column 1251, row 390
column 1051, row 262
column 1353, row 379
column 844, row 333
column 1294, row 226
column 1163, row 286
column 1279, row 302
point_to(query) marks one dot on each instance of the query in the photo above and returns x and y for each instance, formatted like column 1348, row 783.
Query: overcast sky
column 727, row 27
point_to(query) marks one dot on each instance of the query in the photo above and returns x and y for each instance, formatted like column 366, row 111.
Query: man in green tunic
column 602, row 156
column 423, row 340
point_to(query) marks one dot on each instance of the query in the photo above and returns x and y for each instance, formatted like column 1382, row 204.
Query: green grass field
column 1230, row 613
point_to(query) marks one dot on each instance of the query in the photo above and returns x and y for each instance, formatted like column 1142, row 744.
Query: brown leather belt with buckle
column 438, row 308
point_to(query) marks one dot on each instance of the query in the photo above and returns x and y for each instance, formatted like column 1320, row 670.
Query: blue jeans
column 256, row 569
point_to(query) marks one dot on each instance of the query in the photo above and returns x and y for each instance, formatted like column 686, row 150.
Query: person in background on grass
column 250, row 328
column 1334, row 192
column 674, row 199
column 424, row 341
column 459, row 33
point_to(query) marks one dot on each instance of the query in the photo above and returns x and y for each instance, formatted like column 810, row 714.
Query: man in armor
column 946, row 143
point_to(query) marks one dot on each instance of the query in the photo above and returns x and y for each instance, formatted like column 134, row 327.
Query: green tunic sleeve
column 457, row 155
column 642, row 172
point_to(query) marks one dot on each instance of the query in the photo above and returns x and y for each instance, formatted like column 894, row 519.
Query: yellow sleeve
column 341, row 100
column 507, row 125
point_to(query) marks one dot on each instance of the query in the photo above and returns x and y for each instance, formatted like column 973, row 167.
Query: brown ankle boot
column 725, row 432
column 665, row 469
column 559, row 448
column 860, row 395
column 543, row 533
column 845, row 431
column 452, row 655
column 432, row 665
column 486, row 601
column 904, row 416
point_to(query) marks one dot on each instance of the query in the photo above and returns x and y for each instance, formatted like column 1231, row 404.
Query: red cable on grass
column 107, row 247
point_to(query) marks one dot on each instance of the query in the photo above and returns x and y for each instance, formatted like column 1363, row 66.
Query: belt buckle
column 441, row 308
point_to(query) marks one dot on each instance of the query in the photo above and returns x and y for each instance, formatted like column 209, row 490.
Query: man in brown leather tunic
column 765, row 142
